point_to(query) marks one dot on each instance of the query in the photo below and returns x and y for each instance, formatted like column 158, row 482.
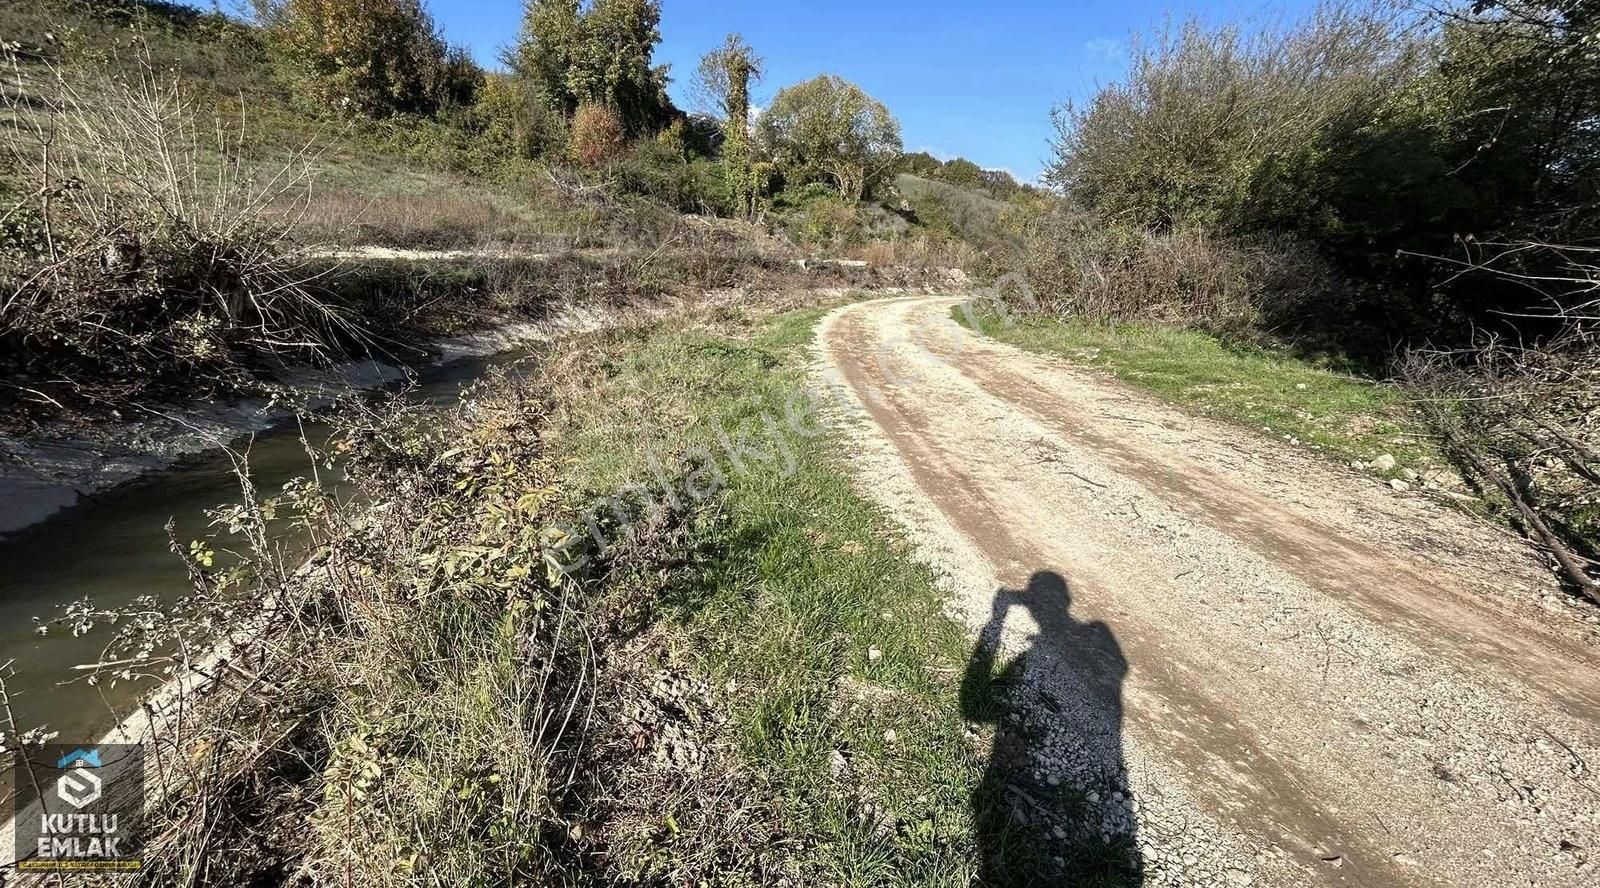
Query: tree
column 1000, row 184
column 961, row 172
column 920, row 163
column 828, row 129
column 723, row 86
column 596, row 55
column 547, row 48
column 375, row 57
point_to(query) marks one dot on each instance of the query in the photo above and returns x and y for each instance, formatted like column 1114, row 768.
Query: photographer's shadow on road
column 1054, row 805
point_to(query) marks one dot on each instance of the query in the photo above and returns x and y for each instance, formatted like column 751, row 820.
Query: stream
column 113, row 548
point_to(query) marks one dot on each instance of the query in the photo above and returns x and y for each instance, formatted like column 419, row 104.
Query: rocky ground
column 1262, row 668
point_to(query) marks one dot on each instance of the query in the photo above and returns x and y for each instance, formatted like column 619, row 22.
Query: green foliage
column 724, row 79
column 547, row 49
column 1000, row 184
column 828, row 129
column 372, row 57
column 513, row 116
column 673, row 140
column 961, row 172
column 1207, row 114
column 1378, row 139
column 828, row 221
column 599, row 54
column 664, row 174
column 919, row 163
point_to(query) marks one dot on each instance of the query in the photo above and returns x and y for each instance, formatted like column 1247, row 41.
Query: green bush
column 515, row 117
column 371, row 57
column 1384, row 141
column 829, row 221
column 661, row 172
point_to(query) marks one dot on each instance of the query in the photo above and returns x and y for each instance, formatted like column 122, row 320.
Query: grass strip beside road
column 1270, row 391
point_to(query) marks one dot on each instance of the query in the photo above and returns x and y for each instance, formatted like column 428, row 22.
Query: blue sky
column 970, row 79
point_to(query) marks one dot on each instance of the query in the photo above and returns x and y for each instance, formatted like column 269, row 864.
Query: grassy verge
column 840, row 669
column 619, row 618
column 1274, row 393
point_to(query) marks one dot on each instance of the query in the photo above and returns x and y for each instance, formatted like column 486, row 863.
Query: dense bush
column 961, row 172
column 828, row 221
column 828, row 130
column 515, row 117
column 372, row 57
column 1076, row 265
column 671, row 177
column 1379, row 138
column 597, row 137
column 1211, row 124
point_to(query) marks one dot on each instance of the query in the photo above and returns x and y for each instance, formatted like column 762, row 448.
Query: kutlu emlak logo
column 84, row 816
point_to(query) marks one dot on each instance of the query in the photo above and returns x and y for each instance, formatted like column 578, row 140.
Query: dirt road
column 1271, row 669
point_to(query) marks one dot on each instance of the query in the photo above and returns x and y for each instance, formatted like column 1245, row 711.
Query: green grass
column 806, row 578
column 1273, row 393
column 956, row 211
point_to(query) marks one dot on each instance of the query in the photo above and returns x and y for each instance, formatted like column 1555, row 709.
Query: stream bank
column 42, row 475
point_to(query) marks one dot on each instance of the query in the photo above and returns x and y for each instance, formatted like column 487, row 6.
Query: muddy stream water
column 113, row 548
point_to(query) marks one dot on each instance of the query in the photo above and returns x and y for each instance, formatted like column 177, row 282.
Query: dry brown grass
column 140, row 246
column 1080, row 267
column 917, row 252
column 435, row 218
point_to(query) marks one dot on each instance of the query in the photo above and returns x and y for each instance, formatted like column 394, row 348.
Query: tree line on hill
column 580, row 85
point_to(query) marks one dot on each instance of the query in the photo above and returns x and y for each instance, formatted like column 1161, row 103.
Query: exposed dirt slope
column 1273, row 670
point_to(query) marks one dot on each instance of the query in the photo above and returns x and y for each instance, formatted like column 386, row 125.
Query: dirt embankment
column 52, row 470
column 1269, row 669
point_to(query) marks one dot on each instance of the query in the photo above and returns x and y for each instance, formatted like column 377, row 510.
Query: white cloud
column 1105, row 49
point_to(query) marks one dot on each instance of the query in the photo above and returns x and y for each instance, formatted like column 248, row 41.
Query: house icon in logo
column 89, row 758
column 79, row 785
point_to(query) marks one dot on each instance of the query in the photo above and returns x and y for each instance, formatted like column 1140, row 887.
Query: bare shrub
column 918, row 252
column 142, row 247
column 1521, row 419
column 1080, row 267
